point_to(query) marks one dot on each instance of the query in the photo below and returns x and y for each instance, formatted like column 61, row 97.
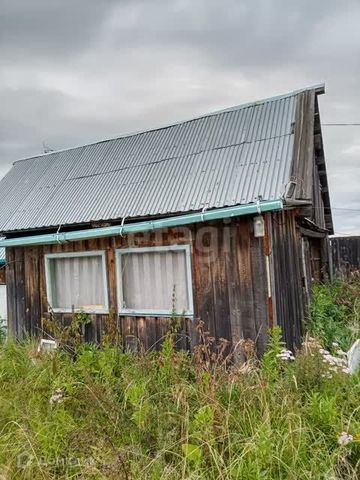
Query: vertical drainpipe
column 268, row 272
column 330, row 259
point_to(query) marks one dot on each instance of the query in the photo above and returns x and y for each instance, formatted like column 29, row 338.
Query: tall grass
column 101, row 413
column 107, row 414
column 335, row 312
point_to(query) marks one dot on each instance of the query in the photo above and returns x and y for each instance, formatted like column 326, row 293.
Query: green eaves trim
column 204, row 216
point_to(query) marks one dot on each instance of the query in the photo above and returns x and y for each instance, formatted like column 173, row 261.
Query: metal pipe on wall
column 268, row 272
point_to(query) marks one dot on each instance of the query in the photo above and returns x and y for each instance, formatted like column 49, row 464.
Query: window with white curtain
column 155, row 280
column 76, row 281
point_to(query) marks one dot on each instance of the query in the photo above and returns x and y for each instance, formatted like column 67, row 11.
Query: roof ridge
column 319, row 89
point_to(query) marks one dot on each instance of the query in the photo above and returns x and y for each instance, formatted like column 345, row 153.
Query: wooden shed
column 3, row 302
column 345, row 258
column 223, row 218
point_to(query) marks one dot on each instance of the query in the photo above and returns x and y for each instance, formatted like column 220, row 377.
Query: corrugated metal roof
column 2, row 255
column 221, row 159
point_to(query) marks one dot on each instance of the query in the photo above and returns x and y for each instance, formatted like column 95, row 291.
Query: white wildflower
column 341, row 352
column 285, row 355
column 337, row 363
column 329, row 359
column 344, row 438
column 57, row 396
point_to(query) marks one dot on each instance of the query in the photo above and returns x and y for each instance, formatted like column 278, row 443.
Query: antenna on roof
column 46, row 148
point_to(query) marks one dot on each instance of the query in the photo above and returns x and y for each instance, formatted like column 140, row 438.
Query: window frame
column 120, row 252
column 49, row 288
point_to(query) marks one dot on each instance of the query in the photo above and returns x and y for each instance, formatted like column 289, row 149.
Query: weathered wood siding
column 2, row 275
column 308, row 166
column 345, row 253
column 318, row 208
column 229, row 285
column 303, row 151
column 289, row 278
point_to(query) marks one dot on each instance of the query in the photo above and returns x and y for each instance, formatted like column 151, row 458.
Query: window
column 154, row 280
column 76, row 280
column 3, row 309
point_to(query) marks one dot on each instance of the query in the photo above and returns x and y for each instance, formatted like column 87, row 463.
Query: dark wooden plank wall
column 289, row 276
column 230, row 281
column 318, row 209
column 321, row 169
column 306, row 269
column 2, row 275
column 229, row 285
column 345, row 253
column 316, row 259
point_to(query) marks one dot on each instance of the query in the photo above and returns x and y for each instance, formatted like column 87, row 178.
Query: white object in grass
column 46, row 345
column 353, row 356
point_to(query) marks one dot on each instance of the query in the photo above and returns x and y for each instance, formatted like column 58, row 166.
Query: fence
column 345, row 253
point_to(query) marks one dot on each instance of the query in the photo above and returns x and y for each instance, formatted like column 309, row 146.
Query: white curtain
column 3, row 309
column 150, row 278
column 78, row 282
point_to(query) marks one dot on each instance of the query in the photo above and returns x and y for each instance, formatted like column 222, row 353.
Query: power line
column 340, row 124
column 347, row 209
column 346, row 234
column 338, row 208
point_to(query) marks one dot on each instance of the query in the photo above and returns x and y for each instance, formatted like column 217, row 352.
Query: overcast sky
column 77, row 71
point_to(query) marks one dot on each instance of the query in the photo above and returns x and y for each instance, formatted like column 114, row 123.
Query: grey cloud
column 254, row 35
column 50, row 28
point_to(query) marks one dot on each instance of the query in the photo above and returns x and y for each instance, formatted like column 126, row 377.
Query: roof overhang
column 131, row 228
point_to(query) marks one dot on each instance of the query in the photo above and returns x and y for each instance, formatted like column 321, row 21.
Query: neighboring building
column 223, row 218
column 345, row 256
column 3, row 309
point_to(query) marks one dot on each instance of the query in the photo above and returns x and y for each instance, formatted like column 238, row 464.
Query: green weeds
column 107, row 414
column 335, row 313
column 102, row 413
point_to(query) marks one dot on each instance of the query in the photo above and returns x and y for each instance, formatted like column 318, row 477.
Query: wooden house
column 222, row 218
column 3, row 302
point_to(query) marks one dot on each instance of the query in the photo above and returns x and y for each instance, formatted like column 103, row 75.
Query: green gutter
column 169, row 222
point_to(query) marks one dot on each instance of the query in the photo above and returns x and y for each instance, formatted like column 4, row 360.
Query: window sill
column 152, row 313
column 79, row 310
